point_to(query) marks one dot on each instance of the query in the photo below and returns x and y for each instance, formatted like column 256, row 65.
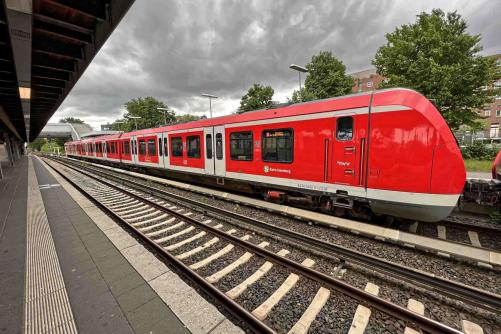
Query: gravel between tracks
column 356, row 276
column 448, row 268
column 454, row 270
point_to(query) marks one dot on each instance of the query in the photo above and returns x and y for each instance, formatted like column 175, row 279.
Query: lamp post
column 299, row 69
column 164, row 111
column 119, row 122
column 135, row 118
column 210, row 96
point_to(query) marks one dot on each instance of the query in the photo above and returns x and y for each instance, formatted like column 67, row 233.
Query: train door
column 133, row 151
column 348, row 151
column 165, row 151
column 220, row 151
column 209, row 151
column 160, row 150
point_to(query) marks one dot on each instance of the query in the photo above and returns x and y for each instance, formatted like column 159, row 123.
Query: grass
column 478, row 165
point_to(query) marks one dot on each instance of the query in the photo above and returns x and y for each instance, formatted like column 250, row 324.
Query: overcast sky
column 174, row 50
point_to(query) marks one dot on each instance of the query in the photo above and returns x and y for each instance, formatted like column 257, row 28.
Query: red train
column 389, row 152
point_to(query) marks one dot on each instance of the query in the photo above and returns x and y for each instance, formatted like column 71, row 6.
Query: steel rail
column 445, row 223
column 424, row 323
column 468, row 294
column 231, row 306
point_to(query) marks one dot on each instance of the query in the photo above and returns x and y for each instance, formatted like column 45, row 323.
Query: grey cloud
column 174, row 50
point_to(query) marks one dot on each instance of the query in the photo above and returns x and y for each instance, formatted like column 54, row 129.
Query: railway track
column 171, row 229
column 460, row 229
column 466, row 294
column 456, row 229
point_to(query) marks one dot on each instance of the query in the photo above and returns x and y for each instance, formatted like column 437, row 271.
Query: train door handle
column 349, row 172
column 350, row 149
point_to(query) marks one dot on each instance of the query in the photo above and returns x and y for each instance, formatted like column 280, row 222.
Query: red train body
column 389, row 152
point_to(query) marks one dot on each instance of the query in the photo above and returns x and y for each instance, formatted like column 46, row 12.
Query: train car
column 387, row 152
column 485, row 192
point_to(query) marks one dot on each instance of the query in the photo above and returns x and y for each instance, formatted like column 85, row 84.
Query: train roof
column 392, row 96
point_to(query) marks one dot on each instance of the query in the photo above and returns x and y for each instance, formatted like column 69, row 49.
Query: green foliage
column 71, row 120
column 37, row 144
column 437, row 57
column 478, row 165
column 146, row 108
column 187, row 118
column 326, row 77
column 305, row 96
column 479, row 151
column 60, row 141
column 257, row 97
column 151, row 117
column 52, row 147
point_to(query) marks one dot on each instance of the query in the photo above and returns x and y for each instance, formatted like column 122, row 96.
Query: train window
column 152, row 147
column 344, row 128
column 278, row 145
column 219, row 146
column 241, row 147
column 208, row 144
column 112, row 147
column 193, row 143
column 160, row 150
column 166, row 152
column 176, row 146
column 142, row 147
column 126, row 147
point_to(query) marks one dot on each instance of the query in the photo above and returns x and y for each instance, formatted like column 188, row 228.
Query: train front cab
column 415, row 168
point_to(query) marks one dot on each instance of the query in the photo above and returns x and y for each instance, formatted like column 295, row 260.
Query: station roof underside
column 45, row 46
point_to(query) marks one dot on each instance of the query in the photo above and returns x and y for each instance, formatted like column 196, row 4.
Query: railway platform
column 66, row 267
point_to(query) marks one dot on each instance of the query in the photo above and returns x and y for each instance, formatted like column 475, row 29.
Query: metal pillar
column 9, row 149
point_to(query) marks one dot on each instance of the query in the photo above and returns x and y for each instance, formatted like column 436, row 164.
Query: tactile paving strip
column 47, row 307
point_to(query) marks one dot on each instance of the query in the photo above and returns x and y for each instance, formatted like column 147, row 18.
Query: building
column 106, row 127
column 491, row 113
column 366, row 80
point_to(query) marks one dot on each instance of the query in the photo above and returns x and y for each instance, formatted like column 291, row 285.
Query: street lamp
column 135, row 118
column 299, row 69
column 164, row 111
column 210, row 101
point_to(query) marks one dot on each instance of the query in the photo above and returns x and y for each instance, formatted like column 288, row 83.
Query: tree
column 71, row 120
column 437, row 57
column 37, row 144
column 305, row 96
column 146, row 108
column 187, row 118
column 326, row 77
column 257, row 97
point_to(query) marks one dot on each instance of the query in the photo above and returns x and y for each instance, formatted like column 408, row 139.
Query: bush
column 51, row 148
column 479, row 151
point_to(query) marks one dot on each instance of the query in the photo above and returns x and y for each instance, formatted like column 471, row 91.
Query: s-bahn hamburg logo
column 268, row 169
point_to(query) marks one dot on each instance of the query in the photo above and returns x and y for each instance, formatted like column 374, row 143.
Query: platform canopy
column 45, row 46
